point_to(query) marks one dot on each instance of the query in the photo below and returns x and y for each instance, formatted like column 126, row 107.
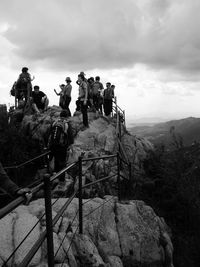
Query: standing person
column 97, row 88
column 90, row 83
column 39, row 100
column 23, row 85
column 108, row 95
column 101, row 102
column 61, row 94
column 67, row 94
column 59, row 139
column 11, row 188
column 83, row 97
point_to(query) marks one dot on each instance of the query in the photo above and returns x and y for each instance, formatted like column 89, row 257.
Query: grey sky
column 149, row 49
column 104, row 34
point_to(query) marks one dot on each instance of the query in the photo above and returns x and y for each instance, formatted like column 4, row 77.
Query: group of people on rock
column 26, row 95
column 91, row 94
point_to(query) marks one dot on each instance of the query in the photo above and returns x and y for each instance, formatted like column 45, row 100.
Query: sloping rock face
column 101, row 139
column 114, row 234
column 98, row 140
column 38, row 125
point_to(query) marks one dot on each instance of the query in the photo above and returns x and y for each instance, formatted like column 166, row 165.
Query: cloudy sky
column 150, row 49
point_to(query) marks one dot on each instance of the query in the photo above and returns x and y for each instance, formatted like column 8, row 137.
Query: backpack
column 58, row 134
column 12, row 91
column 23, row 80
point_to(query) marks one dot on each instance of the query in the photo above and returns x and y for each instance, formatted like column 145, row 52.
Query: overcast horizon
column 150, row 49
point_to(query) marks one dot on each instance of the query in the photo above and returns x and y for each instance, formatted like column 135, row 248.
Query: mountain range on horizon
column 153, row 120
column 187, row 128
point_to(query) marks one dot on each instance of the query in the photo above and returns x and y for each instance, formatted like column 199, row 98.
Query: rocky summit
column 115, row 233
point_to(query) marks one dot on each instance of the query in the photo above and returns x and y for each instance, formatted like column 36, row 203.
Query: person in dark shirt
column 39, row 100
column 108, row 95
column 23, row 85
column 7, row 185
column 59, row 147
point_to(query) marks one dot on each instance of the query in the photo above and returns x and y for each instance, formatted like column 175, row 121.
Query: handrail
column 123, row 151
column 43, row 185
column 100, row 157
column 28, row 161
column 43, row 235
column 38, row 243
column 98, row 181
column 11, row 206
column 118, row 107
column 14, row 204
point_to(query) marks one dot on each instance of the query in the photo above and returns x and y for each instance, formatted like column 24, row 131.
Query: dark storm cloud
column 90, row 34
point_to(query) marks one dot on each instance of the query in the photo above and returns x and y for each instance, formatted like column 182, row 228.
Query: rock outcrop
column 98, row 140
column 114, row 234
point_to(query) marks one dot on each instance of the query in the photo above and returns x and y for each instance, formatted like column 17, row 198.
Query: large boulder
column 125, row 234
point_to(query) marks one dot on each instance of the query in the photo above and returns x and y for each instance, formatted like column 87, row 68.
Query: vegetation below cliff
column 171, row 186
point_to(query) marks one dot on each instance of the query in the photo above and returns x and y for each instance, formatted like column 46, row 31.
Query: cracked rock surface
column 114, row 234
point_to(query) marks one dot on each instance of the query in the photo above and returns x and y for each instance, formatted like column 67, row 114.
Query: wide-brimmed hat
column 82, row 73
column 68, row 79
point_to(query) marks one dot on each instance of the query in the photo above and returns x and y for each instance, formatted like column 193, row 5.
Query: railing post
column 80, row 198
column 46, row 159
column 49, row 226
column 124, row 118
column 16, row 175
column 118, row 177
column 130, row 172
column 130, row 182
column 120, row 130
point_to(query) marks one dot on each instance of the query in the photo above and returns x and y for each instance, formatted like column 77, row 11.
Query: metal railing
column 118, row 111
column 46, row 185
column 19, row 169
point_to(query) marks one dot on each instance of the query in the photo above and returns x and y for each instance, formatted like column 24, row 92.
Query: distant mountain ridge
column 187, row 128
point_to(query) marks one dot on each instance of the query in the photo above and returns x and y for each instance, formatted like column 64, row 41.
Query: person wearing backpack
column 60, row 138
column 23, row 85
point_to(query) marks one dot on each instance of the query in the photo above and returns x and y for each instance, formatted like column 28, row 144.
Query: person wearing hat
column 83, row 98
column 67, row 94
column 83, row 75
